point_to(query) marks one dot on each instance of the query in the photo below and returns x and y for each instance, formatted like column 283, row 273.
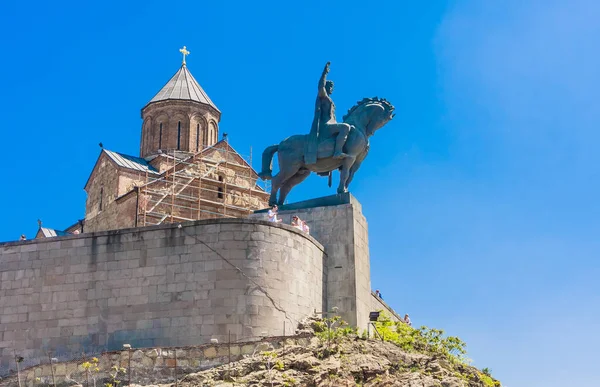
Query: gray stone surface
column 149, row 366
column 156, row 286
column 324, row 201
column 342, row 230
column 377, row 304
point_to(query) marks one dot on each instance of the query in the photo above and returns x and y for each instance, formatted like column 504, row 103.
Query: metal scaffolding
column 208, row 184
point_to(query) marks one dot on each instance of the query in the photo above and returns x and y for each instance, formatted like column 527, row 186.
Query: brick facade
column 216, row 182
column 178, row 125
column 198, row 177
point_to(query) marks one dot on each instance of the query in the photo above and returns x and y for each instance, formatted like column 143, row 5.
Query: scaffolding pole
column 199, row 196
column 181, row 187
column 225, row 186
column 145, row 197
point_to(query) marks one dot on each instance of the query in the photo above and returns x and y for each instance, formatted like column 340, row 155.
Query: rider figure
column 324, row 123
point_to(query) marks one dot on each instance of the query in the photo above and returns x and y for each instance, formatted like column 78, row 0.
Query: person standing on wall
column 272, row 214
column 305, row 227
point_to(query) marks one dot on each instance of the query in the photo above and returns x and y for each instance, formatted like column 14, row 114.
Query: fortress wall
column 155, row 286
column 377, row 304
column 338, row 223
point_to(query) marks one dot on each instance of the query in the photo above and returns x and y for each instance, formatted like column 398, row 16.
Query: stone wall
column 156, row 286
column 338, row 224
column 377, row 304
column 149, row 365
column 102, row 188
column 106, row 207
column 128, row 180
column 119, row 213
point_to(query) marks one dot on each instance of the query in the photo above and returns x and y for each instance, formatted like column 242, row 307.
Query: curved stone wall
column 156, row 286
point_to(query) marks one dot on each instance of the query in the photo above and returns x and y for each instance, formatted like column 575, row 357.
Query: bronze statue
column 348, row 141
column 324, row 124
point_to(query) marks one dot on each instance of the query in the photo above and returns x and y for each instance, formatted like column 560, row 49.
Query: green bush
column 334, row 330
column 423, row 339
column 487, row 380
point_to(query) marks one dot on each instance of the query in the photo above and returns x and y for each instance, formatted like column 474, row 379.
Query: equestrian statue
column 330, row 145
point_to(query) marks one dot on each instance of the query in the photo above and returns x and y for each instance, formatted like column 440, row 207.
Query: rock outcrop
column 350, row 361
column 315, row 357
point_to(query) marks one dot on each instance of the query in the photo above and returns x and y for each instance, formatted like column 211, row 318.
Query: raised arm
column 322, row 92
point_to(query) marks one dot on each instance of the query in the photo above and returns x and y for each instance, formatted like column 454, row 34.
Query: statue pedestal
column 338, row 224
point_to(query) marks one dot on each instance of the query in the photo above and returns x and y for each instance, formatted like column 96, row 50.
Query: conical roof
column 183, row 86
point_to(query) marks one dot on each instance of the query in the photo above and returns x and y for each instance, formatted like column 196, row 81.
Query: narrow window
column 220, row 194
column 101, row 198
column 160, row 137
column 197, row 137
column 178, row 135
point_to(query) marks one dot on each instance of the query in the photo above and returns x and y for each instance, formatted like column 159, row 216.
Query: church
column 183, row 172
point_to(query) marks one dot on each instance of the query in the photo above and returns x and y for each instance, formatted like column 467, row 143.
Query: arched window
column 178, row 135
column 197, row 137
column 160, row 136
column 146, row 134
column 101, row 199
column 220, row 194
column 213, row 133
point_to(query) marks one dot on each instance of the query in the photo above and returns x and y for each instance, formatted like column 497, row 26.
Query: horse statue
column 364, row 119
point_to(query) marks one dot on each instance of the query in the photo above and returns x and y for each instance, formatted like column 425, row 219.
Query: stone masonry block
column 157, row 286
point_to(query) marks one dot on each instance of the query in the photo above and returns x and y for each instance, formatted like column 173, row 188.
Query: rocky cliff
column 322, row 353
column 340, row 358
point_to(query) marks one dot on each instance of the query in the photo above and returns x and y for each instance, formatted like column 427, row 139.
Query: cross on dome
column 185, row 52
column 183, row 86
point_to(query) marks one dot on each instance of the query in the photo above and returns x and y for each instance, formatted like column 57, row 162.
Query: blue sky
column 481, row 195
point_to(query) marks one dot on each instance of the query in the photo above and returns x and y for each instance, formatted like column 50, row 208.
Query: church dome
column 183, row 86
column 180, row 117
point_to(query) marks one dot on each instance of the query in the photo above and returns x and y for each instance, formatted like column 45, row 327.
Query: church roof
column 50, row 232
column 122, row 160
column 130, row 162
column 183, row 86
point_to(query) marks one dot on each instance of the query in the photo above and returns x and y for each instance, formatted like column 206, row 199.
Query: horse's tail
column 267, row 162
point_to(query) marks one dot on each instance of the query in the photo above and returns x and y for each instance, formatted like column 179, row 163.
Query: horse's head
column 370, row 114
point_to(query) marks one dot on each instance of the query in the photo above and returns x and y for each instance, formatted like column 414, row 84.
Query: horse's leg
column 300, row 176
column 274, row 188
column 286, row 171
column 344, row 173
column 280, row 180
column 290, row 154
